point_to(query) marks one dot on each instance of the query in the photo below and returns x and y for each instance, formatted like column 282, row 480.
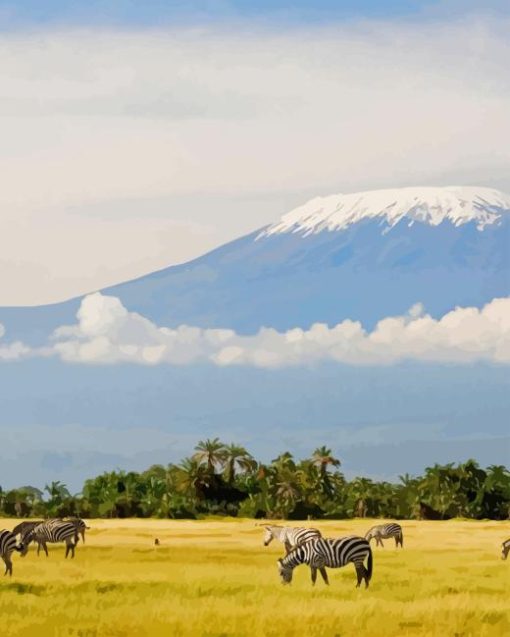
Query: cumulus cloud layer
column 116, row 132
column 106, row 332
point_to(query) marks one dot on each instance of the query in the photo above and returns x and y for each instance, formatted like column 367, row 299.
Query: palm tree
column 361, row 490
column 237, row 456
column 323, row 457
column 211, row 453
column 192, row 478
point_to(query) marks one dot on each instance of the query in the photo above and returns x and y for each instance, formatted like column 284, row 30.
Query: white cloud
column 107, row 333
column 12, row 351
column 107, row 136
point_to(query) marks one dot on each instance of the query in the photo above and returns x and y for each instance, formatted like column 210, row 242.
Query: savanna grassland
column 215, row 578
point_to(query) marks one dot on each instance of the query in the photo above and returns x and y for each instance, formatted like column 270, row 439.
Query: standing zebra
column 291, row 537
column 8, row 544
column 333, row 553
column 505, row 549
column 51, row 531
column 385, row 531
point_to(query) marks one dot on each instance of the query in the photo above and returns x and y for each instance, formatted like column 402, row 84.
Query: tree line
column 221, row 479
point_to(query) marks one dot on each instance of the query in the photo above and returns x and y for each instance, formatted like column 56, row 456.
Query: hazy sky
column 132, row 140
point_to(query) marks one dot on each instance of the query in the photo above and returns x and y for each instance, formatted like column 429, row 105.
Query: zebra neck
column 295, row 557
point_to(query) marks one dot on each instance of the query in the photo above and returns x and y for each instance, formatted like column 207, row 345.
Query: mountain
column 362, row 256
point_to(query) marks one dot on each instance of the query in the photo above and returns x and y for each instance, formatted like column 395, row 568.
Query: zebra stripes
column 292, row 536
column 79, row 524
column 333, row 553
column 24, row 527
column 8, row 544
column 51, row 531
column 505, row 549
column 385, row 531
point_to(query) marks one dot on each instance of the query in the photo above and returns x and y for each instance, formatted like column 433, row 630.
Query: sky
column 141, row 135
column 137, row 135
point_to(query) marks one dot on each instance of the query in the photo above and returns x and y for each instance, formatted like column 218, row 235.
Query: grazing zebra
column 51, row 531
column 24, row 527
column 385, row 531
column 505, row 549
column 292, row 536
column 333, row 553
column 8, row 544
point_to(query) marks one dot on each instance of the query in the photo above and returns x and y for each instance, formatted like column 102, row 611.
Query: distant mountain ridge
column 363, row 256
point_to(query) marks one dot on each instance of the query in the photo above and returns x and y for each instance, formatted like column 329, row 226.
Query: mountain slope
column 363, row 256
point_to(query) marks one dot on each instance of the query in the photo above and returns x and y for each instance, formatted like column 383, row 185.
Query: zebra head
column 24, row 542
column 284, row 572
column 268, row 535
column 20, row 546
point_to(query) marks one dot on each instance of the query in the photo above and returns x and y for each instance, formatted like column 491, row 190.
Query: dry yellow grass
column 214, row 578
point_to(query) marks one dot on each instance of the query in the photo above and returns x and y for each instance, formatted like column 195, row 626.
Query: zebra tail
column 369, row 564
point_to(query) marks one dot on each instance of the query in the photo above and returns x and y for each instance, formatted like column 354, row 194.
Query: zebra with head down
column 333, row 553
column 291, row 537
column 384, row 531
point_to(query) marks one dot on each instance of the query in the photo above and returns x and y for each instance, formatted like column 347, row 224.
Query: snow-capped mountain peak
column 429, row 205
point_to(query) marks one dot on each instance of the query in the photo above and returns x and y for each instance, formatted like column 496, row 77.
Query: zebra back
column 54, row 531
column 8, row 543
column 24, row 527
column 391, row 529
column 301, row 535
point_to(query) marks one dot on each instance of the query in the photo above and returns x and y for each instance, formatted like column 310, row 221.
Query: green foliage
column 225, row 479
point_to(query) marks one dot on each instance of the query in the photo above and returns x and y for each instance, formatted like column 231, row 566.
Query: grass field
column 215, row 578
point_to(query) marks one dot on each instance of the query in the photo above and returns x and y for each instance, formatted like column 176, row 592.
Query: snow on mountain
column 459, row 205
column 391, row 249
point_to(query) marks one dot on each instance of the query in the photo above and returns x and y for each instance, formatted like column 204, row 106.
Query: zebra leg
column 287, row 547
column 45, row 547
column 378, row 541
column 359, row 574
column 314, row 574
column 324, row 574
column 8, row 564
column 70, row 547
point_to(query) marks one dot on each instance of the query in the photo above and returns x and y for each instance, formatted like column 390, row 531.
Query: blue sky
column 133, row 13
column 132, row 130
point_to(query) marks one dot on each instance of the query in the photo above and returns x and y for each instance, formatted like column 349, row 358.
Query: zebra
column 505, row 549
column 24, row 527
column 385, row 531
column 291, row 537
column 8, row 544
column 51, row 531
column 333, row 553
